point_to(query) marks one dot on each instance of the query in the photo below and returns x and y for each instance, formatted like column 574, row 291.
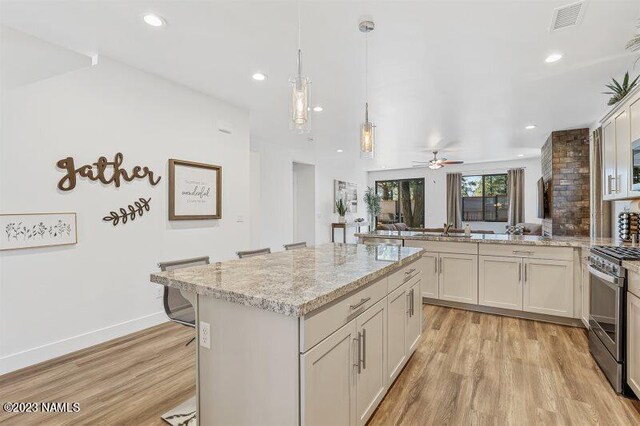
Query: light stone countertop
column 632, row 265
column 293, row 282
column 578, row 242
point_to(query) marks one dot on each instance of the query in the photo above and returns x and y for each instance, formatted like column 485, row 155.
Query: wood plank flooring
column 128, row 381
column 474, row 368
column 470, row 368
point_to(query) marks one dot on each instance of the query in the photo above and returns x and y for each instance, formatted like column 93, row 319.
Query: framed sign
column 31, row 230
column 195, row 191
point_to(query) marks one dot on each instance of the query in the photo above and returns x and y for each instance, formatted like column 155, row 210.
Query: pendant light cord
column 299, row 43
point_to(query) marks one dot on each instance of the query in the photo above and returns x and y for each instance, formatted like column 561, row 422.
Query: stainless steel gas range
column 607, row 319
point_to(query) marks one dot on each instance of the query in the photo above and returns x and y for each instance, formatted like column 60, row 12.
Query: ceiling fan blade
column 420, row 162
column 451, row 162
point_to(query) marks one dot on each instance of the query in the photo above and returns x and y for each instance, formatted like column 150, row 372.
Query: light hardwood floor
column 470, row 368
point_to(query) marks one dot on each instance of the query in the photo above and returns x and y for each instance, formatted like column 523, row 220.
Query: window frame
column 484, row 197
column 398, row 208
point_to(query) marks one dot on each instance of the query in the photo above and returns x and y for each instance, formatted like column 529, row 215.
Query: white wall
column 276, row 196
column 304, row 203
column 56, row 300
column 435, row 188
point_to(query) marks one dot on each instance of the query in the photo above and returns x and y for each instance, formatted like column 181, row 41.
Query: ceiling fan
column 436, row 163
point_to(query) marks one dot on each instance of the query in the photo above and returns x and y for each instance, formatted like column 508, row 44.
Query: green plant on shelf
column 341, row 208
column 619, row 91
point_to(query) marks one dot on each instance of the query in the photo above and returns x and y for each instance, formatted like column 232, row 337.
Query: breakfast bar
column 309, row 336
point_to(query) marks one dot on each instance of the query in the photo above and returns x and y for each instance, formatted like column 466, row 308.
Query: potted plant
column 372, row 200
column 341, row 209
column 618, row 90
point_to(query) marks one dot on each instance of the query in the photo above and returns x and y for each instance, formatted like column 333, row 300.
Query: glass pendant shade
column 367, row 136
column 299, row 99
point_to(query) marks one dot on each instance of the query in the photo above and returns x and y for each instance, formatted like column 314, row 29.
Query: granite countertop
column 579, row 242
column 293, row 282
column 632, row 265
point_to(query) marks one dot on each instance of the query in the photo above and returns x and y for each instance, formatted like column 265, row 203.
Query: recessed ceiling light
column 520, row 155
column 318, row 108
column 554, row 57
column 259, row 76
column 338, row 150
column 530, row 127
column 154, row 20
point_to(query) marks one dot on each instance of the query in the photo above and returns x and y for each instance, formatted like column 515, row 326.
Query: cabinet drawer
column 634, row 282
column 539, row 252
column 320, row 323
column 403, row 275
column 444, row 246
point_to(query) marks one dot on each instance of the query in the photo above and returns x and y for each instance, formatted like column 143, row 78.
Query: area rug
column 182, row 415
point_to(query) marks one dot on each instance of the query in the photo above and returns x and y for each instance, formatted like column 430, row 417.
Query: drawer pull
column 359, row 304
column 528, row 253
column 409, row 274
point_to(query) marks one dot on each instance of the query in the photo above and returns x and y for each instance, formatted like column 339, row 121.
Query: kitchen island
column 541, row 278
column 309, row 336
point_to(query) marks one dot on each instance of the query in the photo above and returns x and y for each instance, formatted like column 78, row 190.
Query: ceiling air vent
column 567, row 16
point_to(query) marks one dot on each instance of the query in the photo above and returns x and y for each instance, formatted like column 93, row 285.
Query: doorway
column 304, row 203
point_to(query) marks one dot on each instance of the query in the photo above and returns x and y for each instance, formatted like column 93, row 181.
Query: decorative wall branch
column 130, row 212
column 98, row 172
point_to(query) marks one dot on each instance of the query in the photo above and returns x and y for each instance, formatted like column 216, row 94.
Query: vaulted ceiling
column 467, row 76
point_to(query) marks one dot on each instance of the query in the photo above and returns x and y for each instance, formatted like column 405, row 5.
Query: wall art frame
column 38, row 230
column 195, row 190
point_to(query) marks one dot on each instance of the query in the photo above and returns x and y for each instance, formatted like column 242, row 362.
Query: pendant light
column 367, row 129
column 299, row 92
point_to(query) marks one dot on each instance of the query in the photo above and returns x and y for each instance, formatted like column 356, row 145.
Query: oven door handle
column 611, row 281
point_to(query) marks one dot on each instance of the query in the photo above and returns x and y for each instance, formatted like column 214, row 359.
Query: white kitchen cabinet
column 609, row 159
column 548, row 287
column 458, row 277
column 633, row 342
column 500, row 282
column 414, row 316
column 371, row 377
column 634, row 127
column 329, row 379
column 623, row 154
column 396, row 332
column 429, row 281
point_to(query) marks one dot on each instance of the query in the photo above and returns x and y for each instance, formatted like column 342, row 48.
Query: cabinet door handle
column 408, row 295
column 364, row 348
column 520, row 272
column 435, row 263
column 357, row 305
column 440, row 265
column 609, row 185
column 413, row 302
column 525, row 272
column 357, row 341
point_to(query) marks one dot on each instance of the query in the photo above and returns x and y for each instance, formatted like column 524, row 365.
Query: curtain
column 454, row 199
column 600, row 209
column 515, row 180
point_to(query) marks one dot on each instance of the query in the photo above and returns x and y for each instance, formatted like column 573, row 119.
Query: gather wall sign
column 99, row 171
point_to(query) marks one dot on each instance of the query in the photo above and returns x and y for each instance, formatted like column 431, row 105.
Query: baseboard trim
column 52, row 350
column 573, row 322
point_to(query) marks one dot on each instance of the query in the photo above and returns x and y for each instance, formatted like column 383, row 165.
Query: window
column 484, row 198
column 402, row 202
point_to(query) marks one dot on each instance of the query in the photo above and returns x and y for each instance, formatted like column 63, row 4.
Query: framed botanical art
column 348, row 193
column 195, row 190
column 31, row 230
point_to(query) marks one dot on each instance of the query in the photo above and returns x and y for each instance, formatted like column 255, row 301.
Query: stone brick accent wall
column 565, row 165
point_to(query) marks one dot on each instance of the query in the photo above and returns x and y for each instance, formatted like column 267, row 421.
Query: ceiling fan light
column 435, row 166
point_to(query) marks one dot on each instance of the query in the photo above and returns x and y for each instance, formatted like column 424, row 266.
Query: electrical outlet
column 205, row 335
column 159, row 291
